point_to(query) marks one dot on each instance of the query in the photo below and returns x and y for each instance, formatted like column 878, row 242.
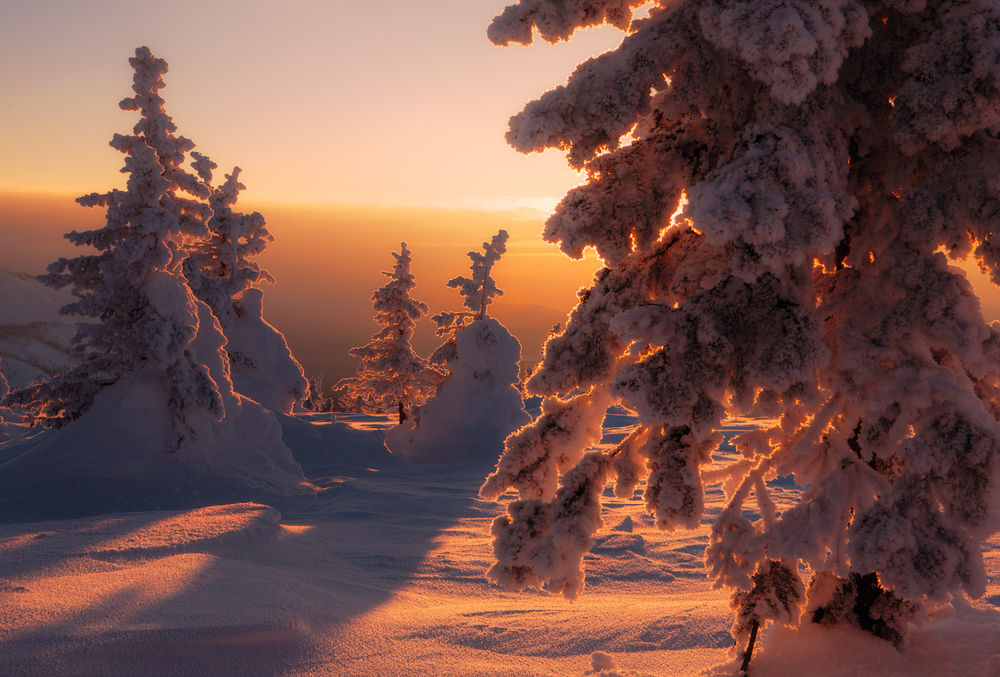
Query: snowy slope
column 381, row 573
column 34, row 338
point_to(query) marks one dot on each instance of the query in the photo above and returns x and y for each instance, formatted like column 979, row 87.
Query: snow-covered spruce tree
column 774, row 188
column 8, row 427
column 223, row 273
column 4, row 389
column 315, row 400
column 478, row 404
column 391, row 376
column 4, row 386
column 133, row 287
column 155, row 375
column 477, row 292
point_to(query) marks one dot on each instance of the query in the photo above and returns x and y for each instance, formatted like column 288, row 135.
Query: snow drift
column 475, row 408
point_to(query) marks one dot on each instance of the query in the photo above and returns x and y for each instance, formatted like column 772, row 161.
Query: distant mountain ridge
column 34, row 337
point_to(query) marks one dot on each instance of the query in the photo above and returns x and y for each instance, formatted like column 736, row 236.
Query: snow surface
column 381, row 572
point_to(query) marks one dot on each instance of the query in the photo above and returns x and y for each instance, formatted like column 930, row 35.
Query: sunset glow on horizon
column 356, row 127
column 328, row 259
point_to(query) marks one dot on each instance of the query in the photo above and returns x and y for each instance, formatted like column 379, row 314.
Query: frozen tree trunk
column 776, row 189
column 748, row 654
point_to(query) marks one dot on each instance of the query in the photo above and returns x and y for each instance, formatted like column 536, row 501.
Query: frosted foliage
column 673, row 491
column 544, row 543
column 557, row 19
column 534, row 455
column 782, row 192
column 222, row 266
column 790, row 45
column 610, row 111
column 775, row 189
column 776, row 595
column 223, row 273
column 391, row 374
column 586, row 351
column 143, row 310
column 626, row 204
column 479, row 290
column 952, row 82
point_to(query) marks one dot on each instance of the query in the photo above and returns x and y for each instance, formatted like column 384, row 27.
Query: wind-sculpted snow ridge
column 775, row 189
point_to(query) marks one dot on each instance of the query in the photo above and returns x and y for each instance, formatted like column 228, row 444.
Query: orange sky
column 357, row 125
column 327, row 261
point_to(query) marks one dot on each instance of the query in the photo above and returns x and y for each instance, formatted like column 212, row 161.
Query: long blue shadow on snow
column 343, row 550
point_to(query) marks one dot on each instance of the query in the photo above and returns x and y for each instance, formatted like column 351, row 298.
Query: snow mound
column 961, row 645
column 34, row 338
column 476, row 407
column 194, row 529
column 116, row 458
column 263, row 368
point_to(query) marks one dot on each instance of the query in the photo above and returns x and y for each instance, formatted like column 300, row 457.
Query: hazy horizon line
column 525, row 206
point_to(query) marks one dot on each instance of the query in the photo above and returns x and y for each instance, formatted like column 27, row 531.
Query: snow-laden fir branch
column 775, row 189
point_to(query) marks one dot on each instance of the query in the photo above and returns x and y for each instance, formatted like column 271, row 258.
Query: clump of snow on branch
column 392, row 377
column 774, row 189
column 557, row 19
column 790, row 45
column 479, row 402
